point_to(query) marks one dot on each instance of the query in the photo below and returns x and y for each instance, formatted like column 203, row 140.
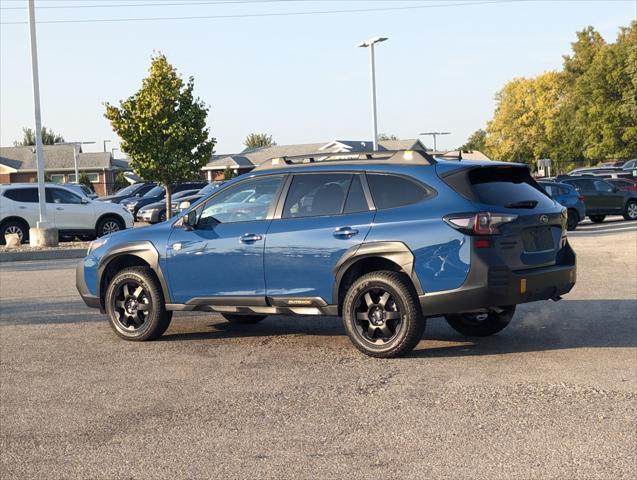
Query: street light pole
column 39, row 151
column 372, row 72
column 435, row 135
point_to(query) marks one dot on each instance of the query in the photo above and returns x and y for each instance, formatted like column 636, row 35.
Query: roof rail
column 403, row 157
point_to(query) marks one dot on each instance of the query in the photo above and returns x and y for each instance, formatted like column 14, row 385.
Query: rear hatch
column 534, row 226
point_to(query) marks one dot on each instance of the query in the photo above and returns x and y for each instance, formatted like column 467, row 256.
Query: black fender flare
column 396, row 252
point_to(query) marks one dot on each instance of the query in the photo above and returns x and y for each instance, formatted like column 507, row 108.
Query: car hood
column 150, row 206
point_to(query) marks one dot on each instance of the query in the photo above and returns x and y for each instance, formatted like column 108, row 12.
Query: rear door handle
column 250, row 238
column 345, row 232
column 59, row 208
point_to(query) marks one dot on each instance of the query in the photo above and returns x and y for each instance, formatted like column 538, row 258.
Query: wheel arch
column 103, row 216
column 370, row 257
column 16, row 218
column 134, row 254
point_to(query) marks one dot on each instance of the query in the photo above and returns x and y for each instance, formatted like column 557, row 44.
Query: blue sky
column 300, row 78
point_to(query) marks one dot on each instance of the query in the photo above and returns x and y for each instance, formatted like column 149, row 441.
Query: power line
column 277, row 14
column 166, row 3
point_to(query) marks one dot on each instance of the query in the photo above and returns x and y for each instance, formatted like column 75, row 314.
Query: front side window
column 58, row 195
column 582, row 184
column 391, row 191
column 24, row 195
column 245, row 202
column 314, row 195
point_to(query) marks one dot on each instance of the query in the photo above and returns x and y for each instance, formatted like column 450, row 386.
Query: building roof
column 56, row 157
column 256, row 156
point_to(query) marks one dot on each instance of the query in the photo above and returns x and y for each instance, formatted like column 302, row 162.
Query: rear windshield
column 507, row 187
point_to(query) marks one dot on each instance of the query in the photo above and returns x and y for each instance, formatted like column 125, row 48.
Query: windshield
column 130, row 190
column 211, row 187
column 154, row 192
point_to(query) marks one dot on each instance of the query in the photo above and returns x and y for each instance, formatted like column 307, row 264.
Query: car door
column 220, row 261
column 612, row 199
column 24, row 205
column 322, row 216
column 592, row 199
column 70, row 211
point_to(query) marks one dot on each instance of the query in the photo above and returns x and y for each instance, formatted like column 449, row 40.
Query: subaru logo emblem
column 544, row 218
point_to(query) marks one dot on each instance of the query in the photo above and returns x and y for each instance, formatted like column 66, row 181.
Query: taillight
column 580, row 197
column 483, row 223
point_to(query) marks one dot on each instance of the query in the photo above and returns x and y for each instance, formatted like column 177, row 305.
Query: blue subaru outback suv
column 383, row 239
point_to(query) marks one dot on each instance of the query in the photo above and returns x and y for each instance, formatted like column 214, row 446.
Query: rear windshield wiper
column 523, row 204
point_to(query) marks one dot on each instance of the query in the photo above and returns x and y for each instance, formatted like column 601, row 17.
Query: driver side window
column 245, row 202
column 57, row 195
column 603, row 186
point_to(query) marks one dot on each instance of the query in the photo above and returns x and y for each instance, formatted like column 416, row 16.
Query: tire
column 124, row 303
column 631, row 210
column 572, row 220
column 245, row 319
column 108, row 225
column 14, row 226
column 382, row 316
column 481, row 325
column 597, row 218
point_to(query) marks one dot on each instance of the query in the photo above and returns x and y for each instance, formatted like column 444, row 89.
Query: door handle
column 59, row 208
column 22, row 207
column 250, row 238
column 345, row 232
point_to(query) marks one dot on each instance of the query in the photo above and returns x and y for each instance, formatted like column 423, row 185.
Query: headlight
column 95, row 244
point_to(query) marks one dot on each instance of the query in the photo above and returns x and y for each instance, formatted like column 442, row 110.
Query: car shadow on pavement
column 536, row 327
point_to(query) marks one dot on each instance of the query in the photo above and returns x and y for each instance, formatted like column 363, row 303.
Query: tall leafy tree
column 387, row 136
column 258, row 140
column 49, row 137
column 477, row 141
column 163, row 128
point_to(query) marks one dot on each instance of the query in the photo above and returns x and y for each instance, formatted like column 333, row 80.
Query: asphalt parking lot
column 552, row 396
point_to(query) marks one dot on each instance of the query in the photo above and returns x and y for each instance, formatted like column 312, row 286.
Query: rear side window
column 603, row 186
column 313, row 195
column 508, row 187
column 583, row 184
column 391, row 191
column 24, row 195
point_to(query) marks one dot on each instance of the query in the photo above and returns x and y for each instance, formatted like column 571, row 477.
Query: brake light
column 483, row 223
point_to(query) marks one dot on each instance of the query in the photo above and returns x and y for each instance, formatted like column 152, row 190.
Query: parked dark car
column 185, row 202
column 156, row 212
column 81, row 189
column 135, row 190
column 602, row 198
column 158, row 193
column 625, row 184
column 569, row 197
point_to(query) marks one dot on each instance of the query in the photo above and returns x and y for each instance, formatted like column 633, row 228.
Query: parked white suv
column 67, row 210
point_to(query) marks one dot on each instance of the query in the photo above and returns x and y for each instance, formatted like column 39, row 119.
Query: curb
column 42, row 255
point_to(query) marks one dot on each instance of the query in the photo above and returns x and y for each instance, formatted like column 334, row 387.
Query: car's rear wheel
column 597, row 218
column 572, row 220
column 108, row 225
column 382, row 316
column 481, row 324
column 631, row 210
column 135, row 305
column 246, row 319
column 18, row 227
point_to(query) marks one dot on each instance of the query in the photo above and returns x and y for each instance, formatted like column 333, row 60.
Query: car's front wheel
column 631, row 210
column 21, row 229
column 597, row 218
column 481, row 324
column 382, row 316
column 135, row 306
column 109, row 225
column 246, row 319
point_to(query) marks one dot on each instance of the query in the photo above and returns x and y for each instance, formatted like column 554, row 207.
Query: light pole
column 39, row 151
column 76, row 155
column 435, row 134
column 372, row 71
column 106, row 141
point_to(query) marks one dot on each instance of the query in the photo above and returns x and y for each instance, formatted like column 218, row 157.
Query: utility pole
column 434, row 135
column 42, row 235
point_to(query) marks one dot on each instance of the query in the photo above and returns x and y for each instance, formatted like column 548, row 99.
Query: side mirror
column 190, row 220
column 85, row 201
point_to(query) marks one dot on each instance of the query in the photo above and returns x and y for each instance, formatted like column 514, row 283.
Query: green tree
column 477, row 141
column 163, row 128
column 229, row 173
column 84, row 180
column 120, row 182
column 387, row 136
column 49, row 137
column 258, row 140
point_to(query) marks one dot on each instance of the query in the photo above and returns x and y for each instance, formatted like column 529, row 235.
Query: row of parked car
column 77, row 212
column 592, row 196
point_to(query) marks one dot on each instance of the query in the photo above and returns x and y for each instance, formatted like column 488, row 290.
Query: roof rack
column 403, row 157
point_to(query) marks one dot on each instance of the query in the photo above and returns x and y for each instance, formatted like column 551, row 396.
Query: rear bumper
column 492, row 284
